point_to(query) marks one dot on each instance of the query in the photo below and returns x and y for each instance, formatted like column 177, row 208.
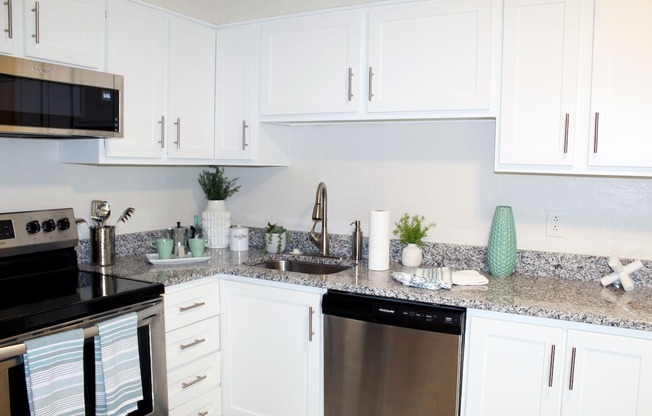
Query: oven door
column 13, row 389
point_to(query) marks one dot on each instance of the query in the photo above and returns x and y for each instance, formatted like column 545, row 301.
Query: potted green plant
column 411, row 230
column 275, row 238
column 216, row 219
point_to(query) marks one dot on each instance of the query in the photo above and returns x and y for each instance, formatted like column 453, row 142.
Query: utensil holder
column 102, row 241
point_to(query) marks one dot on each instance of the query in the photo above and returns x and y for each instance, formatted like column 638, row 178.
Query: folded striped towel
column 118, row 385
column 440, row 278
column 54, row 372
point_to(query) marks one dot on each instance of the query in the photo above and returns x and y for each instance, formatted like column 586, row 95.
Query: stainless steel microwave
column 39, row 99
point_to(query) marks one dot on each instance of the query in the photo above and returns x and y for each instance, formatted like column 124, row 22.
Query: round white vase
column 216, row 221
column 275, row 243
column 411, row 256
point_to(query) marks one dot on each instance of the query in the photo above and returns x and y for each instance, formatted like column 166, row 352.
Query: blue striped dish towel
column 54, row 372
column 118, row 386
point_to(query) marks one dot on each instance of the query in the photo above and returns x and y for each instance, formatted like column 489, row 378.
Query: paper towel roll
column 379, row 239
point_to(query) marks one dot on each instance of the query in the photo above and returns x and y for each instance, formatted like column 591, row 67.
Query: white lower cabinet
column 272, row 347
column 192, row 333
column 517, row 365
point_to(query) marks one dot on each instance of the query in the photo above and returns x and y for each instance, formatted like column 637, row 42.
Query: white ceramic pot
column 275, row 243
column 216, row 221
column 411, row 256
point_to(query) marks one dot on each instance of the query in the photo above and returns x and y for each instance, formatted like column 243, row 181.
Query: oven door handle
column 145, row 316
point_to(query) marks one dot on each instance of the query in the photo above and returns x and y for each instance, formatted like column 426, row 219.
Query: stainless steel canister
column 102, row 245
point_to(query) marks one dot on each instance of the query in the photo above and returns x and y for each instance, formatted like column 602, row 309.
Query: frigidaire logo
column 40, row 69
column 386, row 310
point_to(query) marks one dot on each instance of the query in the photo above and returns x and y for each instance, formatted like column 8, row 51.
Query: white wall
column 229, row 11
column 31, row 177
column 443, row 170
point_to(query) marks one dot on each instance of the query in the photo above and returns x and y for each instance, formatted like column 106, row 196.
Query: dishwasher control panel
column 418, row 314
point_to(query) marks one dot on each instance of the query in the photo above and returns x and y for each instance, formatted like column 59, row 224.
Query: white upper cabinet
column 576, row 87
column 168, row 64
column 68, row 31
column 235, row 126
column 10, row 26
column 62, row 31
column 622, row 85
column 414, row 60
column 191, row 90
column 430, row 56
column 310, row 64
column 539, row 100
column 137, row 50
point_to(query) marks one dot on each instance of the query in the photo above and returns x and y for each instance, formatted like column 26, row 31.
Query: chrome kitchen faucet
column 320, row 214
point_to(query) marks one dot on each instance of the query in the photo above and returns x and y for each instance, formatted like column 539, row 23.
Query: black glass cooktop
column 35, row 295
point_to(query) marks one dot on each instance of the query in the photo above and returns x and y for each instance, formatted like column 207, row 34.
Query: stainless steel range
column 43, row 292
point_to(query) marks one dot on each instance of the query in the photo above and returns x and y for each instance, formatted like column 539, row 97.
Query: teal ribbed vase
column 501, row 250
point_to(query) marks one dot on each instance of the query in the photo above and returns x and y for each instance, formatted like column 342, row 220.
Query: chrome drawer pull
column 551, row 373
column 571, row 380
column 350, row 89
column 310, row 331
column 37, row 22
column 192, row 344
column 10, row 20
column 202, row 413
column 195, row 381
column 187, row 308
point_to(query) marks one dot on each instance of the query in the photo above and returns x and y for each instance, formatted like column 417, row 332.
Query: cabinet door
column 137, row 47
column 191, row 94
column 271, row 361
column 235, row 130
column 607, row 375
column 430, row 56
column 513, row 368
column 539, row 90
column 69, row 31
column 310, row 65
column 10, row 26
column 621, row 127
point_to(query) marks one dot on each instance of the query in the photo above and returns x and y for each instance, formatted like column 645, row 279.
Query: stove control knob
column 49, row 225
column 33, row 227
column 63, row 224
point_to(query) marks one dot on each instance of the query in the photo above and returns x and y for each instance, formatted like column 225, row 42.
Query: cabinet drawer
column 192, row 342
column 193, row 380
column 191, row 304
column 206, row 405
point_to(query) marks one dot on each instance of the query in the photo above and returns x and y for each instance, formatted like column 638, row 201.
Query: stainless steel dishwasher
column 386, row 357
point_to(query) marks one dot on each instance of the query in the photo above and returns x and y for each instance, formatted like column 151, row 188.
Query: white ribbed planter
column 216, row 220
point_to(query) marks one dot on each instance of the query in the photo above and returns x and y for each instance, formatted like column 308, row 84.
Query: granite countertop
column 556, row 298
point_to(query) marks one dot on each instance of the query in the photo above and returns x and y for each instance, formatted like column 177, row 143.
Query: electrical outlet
column 555, row 223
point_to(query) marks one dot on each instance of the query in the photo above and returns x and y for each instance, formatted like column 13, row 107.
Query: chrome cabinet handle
column 197, row 341
column 244, row 134
column 566, row 122
column 595, row 133
column 10, row 20
column 195, row 381
column 571, row 380
column 551, row 371
column 37, row 22
column 193, row 306
column 178, row 124
column 371, row 76
column 162, row 123
column 310, row 331
column 350, row 88
column 202, row 413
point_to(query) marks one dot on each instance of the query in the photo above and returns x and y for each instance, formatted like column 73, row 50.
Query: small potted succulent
column 411, row 230
column 275, row 238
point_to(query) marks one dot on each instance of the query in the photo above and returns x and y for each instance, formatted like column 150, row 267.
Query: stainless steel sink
column 302, row 267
